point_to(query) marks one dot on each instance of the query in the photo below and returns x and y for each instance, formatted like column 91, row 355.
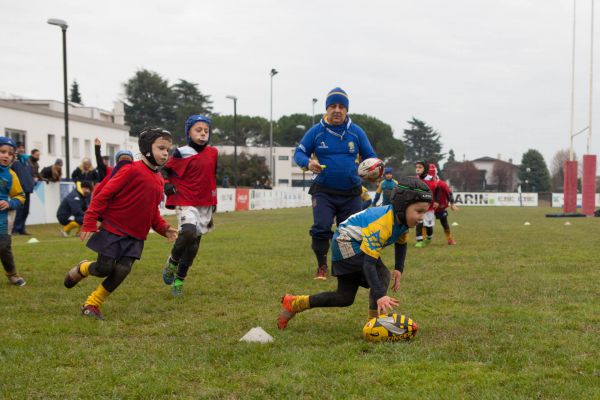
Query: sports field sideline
column 512, row 311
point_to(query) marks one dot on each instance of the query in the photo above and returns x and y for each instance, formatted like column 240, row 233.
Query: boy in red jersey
column 443, row 196
column 428, row 174
column 192, row 192
column 128, row 207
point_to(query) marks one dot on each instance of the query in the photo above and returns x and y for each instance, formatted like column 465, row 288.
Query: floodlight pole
column 272, row 73
column 63, row 26
column 234, row 139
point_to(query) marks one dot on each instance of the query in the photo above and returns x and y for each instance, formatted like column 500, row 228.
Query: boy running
column 356, row 248
column 192, row 191
column 11, row 198
column 444, row 197
column 128, row 207
column 385, row 187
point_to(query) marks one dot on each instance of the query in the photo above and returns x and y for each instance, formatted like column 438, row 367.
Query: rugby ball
column 390, row 328
column 370, row 169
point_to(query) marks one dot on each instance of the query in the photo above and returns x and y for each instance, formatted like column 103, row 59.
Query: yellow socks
column 300, row 303
column 448, row 235
column 70, row 226
column 97, row 297
column 84, row 268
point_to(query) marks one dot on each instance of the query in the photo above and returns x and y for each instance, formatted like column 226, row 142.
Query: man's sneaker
column 16, row 280
column 287, row 312
column 321, row 273
column 91, row 311
column 177, row 288
column 420, row 244
column 451, row 242
column 74, row 276
column 64, row 233
column 169, row 271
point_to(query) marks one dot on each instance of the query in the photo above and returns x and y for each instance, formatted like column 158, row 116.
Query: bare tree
column 464, row 176
column 503, row 175
column 557, row 169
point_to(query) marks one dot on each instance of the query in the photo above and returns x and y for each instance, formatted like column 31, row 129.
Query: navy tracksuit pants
column 326, row 207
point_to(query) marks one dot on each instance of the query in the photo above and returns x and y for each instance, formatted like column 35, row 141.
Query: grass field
column 512, row 312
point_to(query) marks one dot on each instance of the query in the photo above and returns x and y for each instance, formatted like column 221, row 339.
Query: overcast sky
column 493, row 77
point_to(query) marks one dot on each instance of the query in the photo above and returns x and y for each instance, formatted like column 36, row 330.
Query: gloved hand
column 170, row 189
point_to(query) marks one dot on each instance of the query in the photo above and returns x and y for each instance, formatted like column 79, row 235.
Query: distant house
column 497, row 175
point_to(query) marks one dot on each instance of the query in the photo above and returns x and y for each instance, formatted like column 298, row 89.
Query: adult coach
column 335, row 145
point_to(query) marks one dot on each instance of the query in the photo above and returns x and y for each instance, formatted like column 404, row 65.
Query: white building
column 286, row 173
column 506, row 171
column 39, row 124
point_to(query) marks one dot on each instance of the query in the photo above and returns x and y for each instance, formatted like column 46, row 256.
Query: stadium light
column 302, row 127
column 272, row 73
column 63, row 26
column 234, row 138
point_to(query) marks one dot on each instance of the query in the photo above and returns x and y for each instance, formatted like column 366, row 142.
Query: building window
column 16, row 134
column 51, row 144
column 283, row 181
column 87, row 148
column 63, row 146
column 75, row 149
column 111, row 150
column 283, row 158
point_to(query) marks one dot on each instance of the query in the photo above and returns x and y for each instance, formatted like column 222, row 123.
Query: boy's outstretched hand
column 85, row 235
column 397, row 276
column 385, row 304
column 171, row 234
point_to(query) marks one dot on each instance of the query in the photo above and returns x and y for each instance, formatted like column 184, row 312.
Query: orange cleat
column 287, row 311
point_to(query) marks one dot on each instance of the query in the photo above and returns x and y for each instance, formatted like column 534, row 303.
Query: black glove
column 170, row 189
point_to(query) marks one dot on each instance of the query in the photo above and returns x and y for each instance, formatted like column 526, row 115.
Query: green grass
column 512, row 312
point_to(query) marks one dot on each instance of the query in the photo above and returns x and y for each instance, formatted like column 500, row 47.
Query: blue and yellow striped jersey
column 368, row 232
column 11, row 192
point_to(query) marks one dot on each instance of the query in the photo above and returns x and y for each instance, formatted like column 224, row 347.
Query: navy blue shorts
column 327, row 206
column 115, row 246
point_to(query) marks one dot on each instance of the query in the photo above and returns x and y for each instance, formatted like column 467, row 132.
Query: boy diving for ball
column 356, row 247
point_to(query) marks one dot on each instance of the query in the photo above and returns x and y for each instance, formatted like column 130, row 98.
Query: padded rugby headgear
column 192, row 119
column 121, row 153
column 410, row 190
column 425, row 165
column 6, row 141
column 149, row 136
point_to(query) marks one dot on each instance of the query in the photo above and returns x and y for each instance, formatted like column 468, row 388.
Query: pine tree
column 422, row 143
column 533, row 172
column 75, row 96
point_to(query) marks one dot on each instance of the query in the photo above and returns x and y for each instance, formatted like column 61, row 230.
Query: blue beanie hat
column 192, row 119
column 123, row 153
column 388, row 170
column 6, row 141
column 337, row 96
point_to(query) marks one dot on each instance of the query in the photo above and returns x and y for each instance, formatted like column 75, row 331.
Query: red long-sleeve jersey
column 443, row 195
column 128, row 203
column 193, row 175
